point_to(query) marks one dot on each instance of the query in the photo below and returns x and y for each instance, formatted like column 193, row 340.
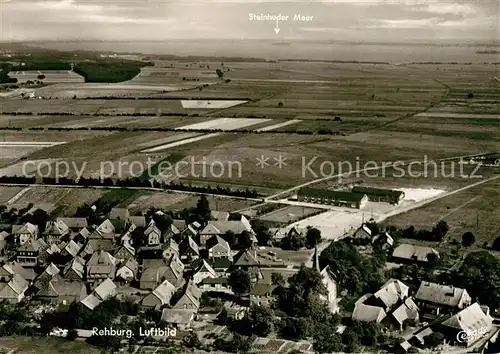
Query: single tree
column 220, row 73
column 239, row 281
column 433, row 340
column 259, row 320
column 202, row 210
column 313, row 237
column 468, row 239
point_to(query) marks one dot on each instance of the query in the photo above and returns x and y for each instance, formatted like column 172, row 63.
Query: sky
column 350, row 20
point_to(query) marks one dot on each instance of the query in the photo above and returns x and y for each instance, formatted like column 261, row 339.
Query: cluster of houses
column 71, row 261
column 433, row 308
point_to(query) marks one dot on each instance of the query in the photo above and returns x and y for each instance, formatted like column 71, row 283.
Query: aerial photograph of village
column 249, row 176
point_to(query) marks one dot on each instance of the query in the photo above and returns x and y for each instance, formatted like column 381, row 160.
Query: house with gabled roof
column 203, row 270
column 261, row 294
column 87, row 251
column 74, row 223
column 330, row 298
column 127, row 272
column 28, row 253
column 82, row 236
column 71, row 249
column 6, row 273
column 55, row 230
column 170, row 248
column 406, row 313
column 125, row 252
column 171, row 231
column 160, row 296
column 28, row 273
column 102, row 292
column 178, row 318
column 152, row 234
column 24, row 233
column 246, row 259
column 218, row 248
column 13, row 291
column 390, row 294
column 220, row 228
column 384, row 240
column 137, row 221
column 406, row 253
column 189, row 250
column 151, row 277
column 363, row 235
column 190, row 300
column 49, row 252
column 101, row 265
column 367, row 313
column 60, row 291
column 49, row 272
column 471, row 319
column 74, row 270
column 436, row 299
column 106, row 230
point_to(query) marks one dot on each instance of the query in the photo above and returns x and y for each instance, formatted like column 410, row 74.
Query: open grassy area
column 475, row 210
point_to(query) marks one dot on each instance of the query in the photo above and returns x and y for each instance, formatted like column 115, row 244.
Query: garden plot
column 225, row 124
column 210, row 104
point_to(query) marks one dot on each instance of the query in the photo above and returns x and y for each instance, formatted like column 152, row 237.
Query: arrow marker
column 277, row 29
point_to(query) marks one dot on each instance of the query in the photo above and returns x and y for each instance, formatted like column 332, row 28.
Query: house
column 437, row 299
column 55, row 230
column 338, row 198
column 235, row 312
column 13, row 291
column 471, row 319
column 218, row 248
column 49, row 252
column 6, row 273
column 221, row 266
column 393, row 292
column 74, row 224
column 151, row 277
column 363, row 235
column 87, row 251
column 190, row 300
column 82, row 236
column 160, row 296
column 125, row 252
column 46, row 276
column 152, row 234
column 219, row 284
column 202, row 271
column 24, row 233
column 119, row 214
column 127, row 272
column 406, row 253
column 380, row 195
column 28, row 273
column 60, row 291
column 101, row 265
column 220, row 228
column 29, row 252
column 175, row 271
column 106, row 230
column 170, row 248
column 261, row 294
column 367, row 313
column 189, row 250
column 74, row 270
column 384, row 240
column 170, row 232
column 406, row 313
column 105, row 290
column 178, row 318
column 71, row 249
column 246, row 259
column 137, row 221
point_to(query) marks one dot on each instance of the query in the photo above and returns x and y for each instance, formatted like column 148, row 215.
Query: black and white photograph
column 249, row 176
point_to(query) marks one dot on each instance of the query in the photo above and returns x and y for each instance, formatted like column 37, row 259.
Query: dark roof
column 377, row 191
column 338, row 195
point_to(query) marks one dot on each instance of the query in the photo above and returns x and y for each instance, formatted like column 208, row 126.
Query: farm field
column 7, row 193
column 47, row 76
column 68, row 199
column 475, row 210
column 180, row 201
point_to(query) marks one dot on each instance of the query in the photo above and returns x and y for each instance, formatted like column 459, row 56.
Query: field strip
column 279, row 125
column 216, row 104
column 456, row 209
column 181, row 142
column 30, row 143
column 18, row 195
column 169, row 139
column 455, row 115
column 224, row 124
